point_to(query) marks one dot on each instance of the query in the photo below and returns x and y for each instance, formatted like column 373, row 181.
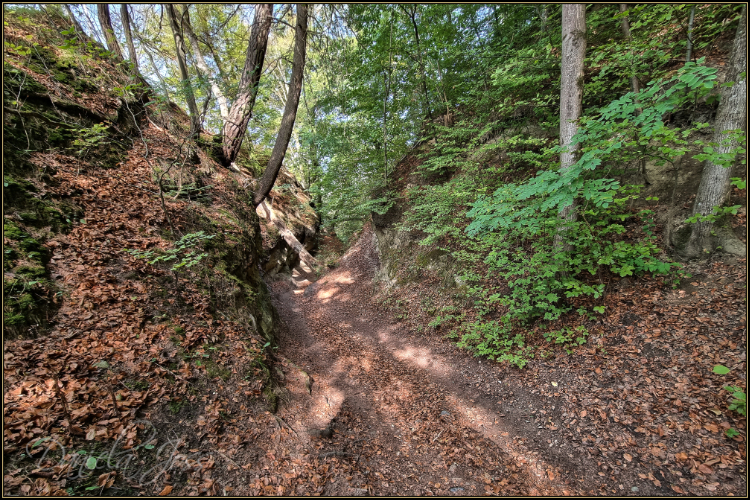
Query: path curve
column 408, row 415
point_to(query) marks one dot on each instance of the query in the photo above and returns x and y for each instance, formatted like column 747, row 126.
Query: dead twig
column 337, row 454
column 114, row 402
column 282, row 422
column 62, row 399
column 229, row 459
column 438, row 435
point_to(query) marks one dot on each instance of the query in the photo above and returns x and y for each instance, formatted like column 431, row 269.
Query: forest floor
column 395, row 412
column 368, row 406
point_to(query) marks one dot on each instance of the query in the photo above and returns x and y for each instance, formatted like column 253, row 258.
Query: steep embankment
column 136, row 323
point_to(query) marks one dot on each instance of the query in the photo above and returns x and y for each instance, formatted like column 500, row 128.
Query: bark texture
column 635, row 85
column 571, row 92
column 290, row 110
column 201, row 63
column 102, row 11
column 125, row 15
column 242, row 107
column 181, row 61
column 715, row 183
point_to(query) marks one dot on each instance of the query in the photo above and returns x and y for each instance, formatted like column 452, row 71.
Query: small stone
column 634, row 489
column 456, row 489
column 445, row 413
column 102, row 364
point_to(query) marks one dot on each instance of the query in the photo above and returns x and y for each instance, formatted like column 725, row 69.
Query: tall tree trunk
column 634, row 83
column 105, row 22
column 689, row 53
column 715, row 183
column 74, row 20
column 387, row 85
column 290, row 110
column 571, row 95
column 239, row 114
column 179, row 43
column 201, row 63
column 412, row 13
column 125, row 15
column 542, row 11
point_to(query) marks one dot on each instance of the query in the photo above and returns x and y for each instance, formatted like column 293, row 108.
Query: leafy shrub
column 187, row 259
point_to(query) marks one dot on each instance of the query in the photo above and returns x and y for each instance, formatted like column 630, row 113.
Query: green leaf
column 721, row 370
column 91, row 463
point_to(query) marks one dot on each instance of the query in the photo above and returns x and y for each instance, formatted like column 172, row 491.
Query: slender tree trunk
column 413, row 16
column 387, row 85
column 105, row 22
column 689, row 53
column 635, row 85
column 129, row 36
column 385, row 124
column 239, row 114
column 571, row 95
column 74, row 19
column 179, row 43
column 715, row 183
column 542, row 10
column 290, row 110
column 201, row 63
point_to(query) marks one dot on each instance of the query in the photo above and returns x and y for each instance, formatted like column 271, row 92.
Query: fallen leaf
column 166, row 491
column 711, row 427
column 705, row 469
column 628, row 457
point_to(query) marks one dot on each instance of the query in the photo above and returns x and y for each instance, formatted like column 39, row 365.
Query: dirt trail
column 406, row 415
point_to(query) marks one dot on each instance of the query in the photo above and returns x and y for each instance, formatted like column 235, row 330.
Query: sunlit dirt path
column 394, row 414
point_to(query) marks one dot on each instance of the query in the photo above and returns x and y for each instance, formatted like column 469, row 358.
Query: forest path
column 402, row 415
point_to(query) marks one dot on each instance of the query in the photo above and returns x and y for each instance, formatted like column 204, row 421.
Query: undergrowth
column 524, row 264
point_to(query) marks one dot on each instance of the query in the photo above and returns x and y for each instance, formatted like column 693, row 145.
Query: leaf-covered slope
column 131, row 259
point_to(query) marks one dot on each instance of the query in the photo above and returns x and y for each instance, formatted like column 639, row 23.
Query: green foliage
column 89, row 140
column 731, row 433
column 179, row 250
column 739, row 399
column 721, row 370
column 512, row 230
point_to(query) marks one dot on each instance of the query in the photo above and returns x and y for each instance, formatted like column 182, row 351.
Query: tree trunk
column 290, row 110
column 387, row 85
column 571, row 95
column 288, row 236
column 689, row 53
column 715, row 183
column 201, row 63
column 413, row 16
column 74, row 20
column 105, row 22
column 542, row 10
column 179, row 43
column 634, row 84
column 129, row 36
column 242, row 107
